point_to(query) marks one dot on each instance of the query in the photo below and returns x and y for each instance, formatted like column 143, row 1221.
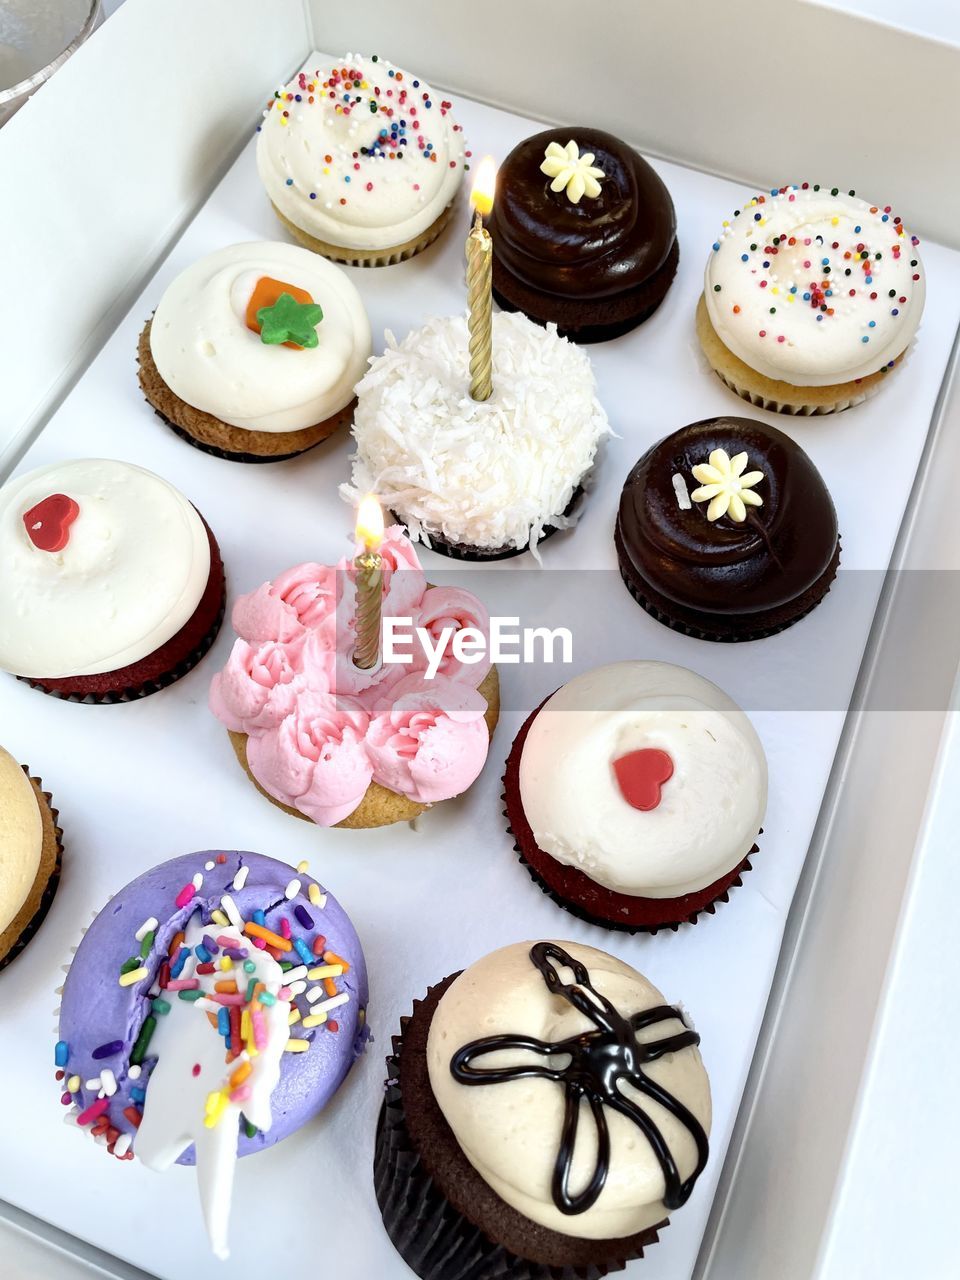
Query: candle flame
column 370, row 523
column 484, row 185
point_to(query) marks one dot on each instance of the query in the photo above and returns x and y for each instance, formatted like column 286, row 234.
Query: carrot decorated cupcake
column 253, row 352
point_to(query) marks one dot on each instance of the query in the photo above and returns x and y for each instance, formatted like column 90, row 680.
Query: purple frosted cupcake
column 211, row 1009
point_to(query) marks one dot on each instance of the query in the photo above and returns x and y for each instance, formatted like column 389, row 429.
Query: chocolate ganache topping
column 597, row 1063
column 596, row 246
column 723, row 533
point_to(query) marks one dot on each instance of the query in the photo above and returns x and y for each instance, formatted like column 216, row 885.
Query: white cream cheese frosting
column 207, row 355
column 21, row 838
column 488, row 473
column 708, row 811
column 361, row 154
column 813, row 286
column 510, row 1131
column 132, row 571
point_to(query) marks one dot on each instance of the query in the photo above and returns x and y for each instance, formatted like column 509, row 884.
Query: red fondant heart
column 48, row 523
column 641, row 775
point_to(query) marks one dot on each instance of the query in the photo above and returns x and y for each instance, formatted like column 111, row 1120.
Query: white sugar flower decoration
column 571, row 170
column 726, row 486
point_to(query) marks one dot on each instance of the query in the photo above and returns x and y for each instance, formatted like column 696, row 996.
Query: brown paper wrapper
column 480, row 555
column 23, row 927
column 369, row 257
column 433, row 1237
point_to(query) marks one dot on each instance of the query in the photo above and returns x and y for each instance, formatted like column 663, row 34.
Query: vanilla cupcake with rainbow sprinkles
column 362, row 161
column 812, row 298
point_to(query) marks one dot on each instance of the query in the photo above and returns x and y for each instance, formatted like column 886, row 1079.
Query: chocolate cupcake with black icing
column 584, row 234
column 481, row 1168
column 726, row 531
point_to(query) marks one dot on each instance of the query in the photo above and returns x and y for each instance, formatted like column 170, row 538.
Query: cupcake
column 362, row 161
column 478, row 479
column 584, row 234
column 481, row 1169
column 726, row 531
column 635, row 795
column 30, row 852
column 811, row 298
column 212, row 1008
column 112, row 586
column 340, row 746
column 254, row 351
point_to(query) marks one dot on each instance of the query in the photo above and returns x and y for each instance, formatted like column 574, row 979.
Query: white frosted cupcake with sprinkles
column 812, row 297
column 362, row 161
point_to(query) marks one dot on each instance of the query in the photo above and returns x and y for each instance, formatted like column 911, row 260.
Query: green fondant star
column 290, row 321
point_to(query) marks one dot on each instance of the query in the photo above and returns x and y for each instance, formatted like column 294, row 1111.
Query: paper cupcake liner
column 657, row 611
column 660, row 913
column 50, row 889
column 133, row 693
column 848, row 394
column 434, row 1239
column 151, row 382
column 348, row 257
column 480, row 555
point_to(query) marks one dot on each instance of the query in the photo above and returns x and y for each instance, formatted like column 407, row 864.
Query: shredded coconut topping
column 491, row 473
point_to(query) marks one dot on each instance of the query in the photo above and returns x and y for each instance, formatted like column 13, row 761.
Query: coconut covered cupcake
column 362, row 161
column 253, row 352
column 337, row 745
column 482, row 1169
column 212, row 1008
column 636, row 794
column 30, row 852
column 112, row 584
column 478, row 479
column 811, row 298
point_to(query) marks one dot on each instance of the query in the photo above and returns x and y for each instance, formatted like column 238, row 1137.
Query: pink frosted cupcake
column 337, row 745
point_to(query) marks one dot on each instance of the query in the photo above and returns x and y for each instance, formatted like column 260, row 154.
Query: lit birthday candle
column 369, row 567
column 480, row 284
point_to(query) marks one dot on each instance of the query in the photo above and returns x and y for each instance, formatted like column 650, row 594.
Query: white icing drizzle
column 177, row 1098
column 490, row 473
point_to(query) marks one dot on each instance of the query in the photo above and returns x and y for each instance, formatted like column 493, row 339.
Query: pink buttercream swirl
column 304, row 598
column 315, row 760
column 430, row 740
column 452, row 609
column 258, row 687
column 291, row 686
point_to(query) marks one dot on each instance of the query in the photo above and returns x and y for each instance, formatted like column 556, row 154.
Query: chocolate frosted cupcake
column 212, row 1008
column 112, row 584
column 635, row 794
column 481, row 1169
column 726, row 531
column 584, row 234
column 30, row 852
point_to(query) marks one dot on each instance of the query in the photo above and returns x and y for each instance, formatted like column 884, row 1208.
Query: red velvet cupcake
column 635, row 794
column 113, row 586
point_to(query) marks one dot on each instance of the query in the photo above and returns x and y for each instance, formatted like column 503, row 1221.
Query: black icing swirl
column 600, row 1061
